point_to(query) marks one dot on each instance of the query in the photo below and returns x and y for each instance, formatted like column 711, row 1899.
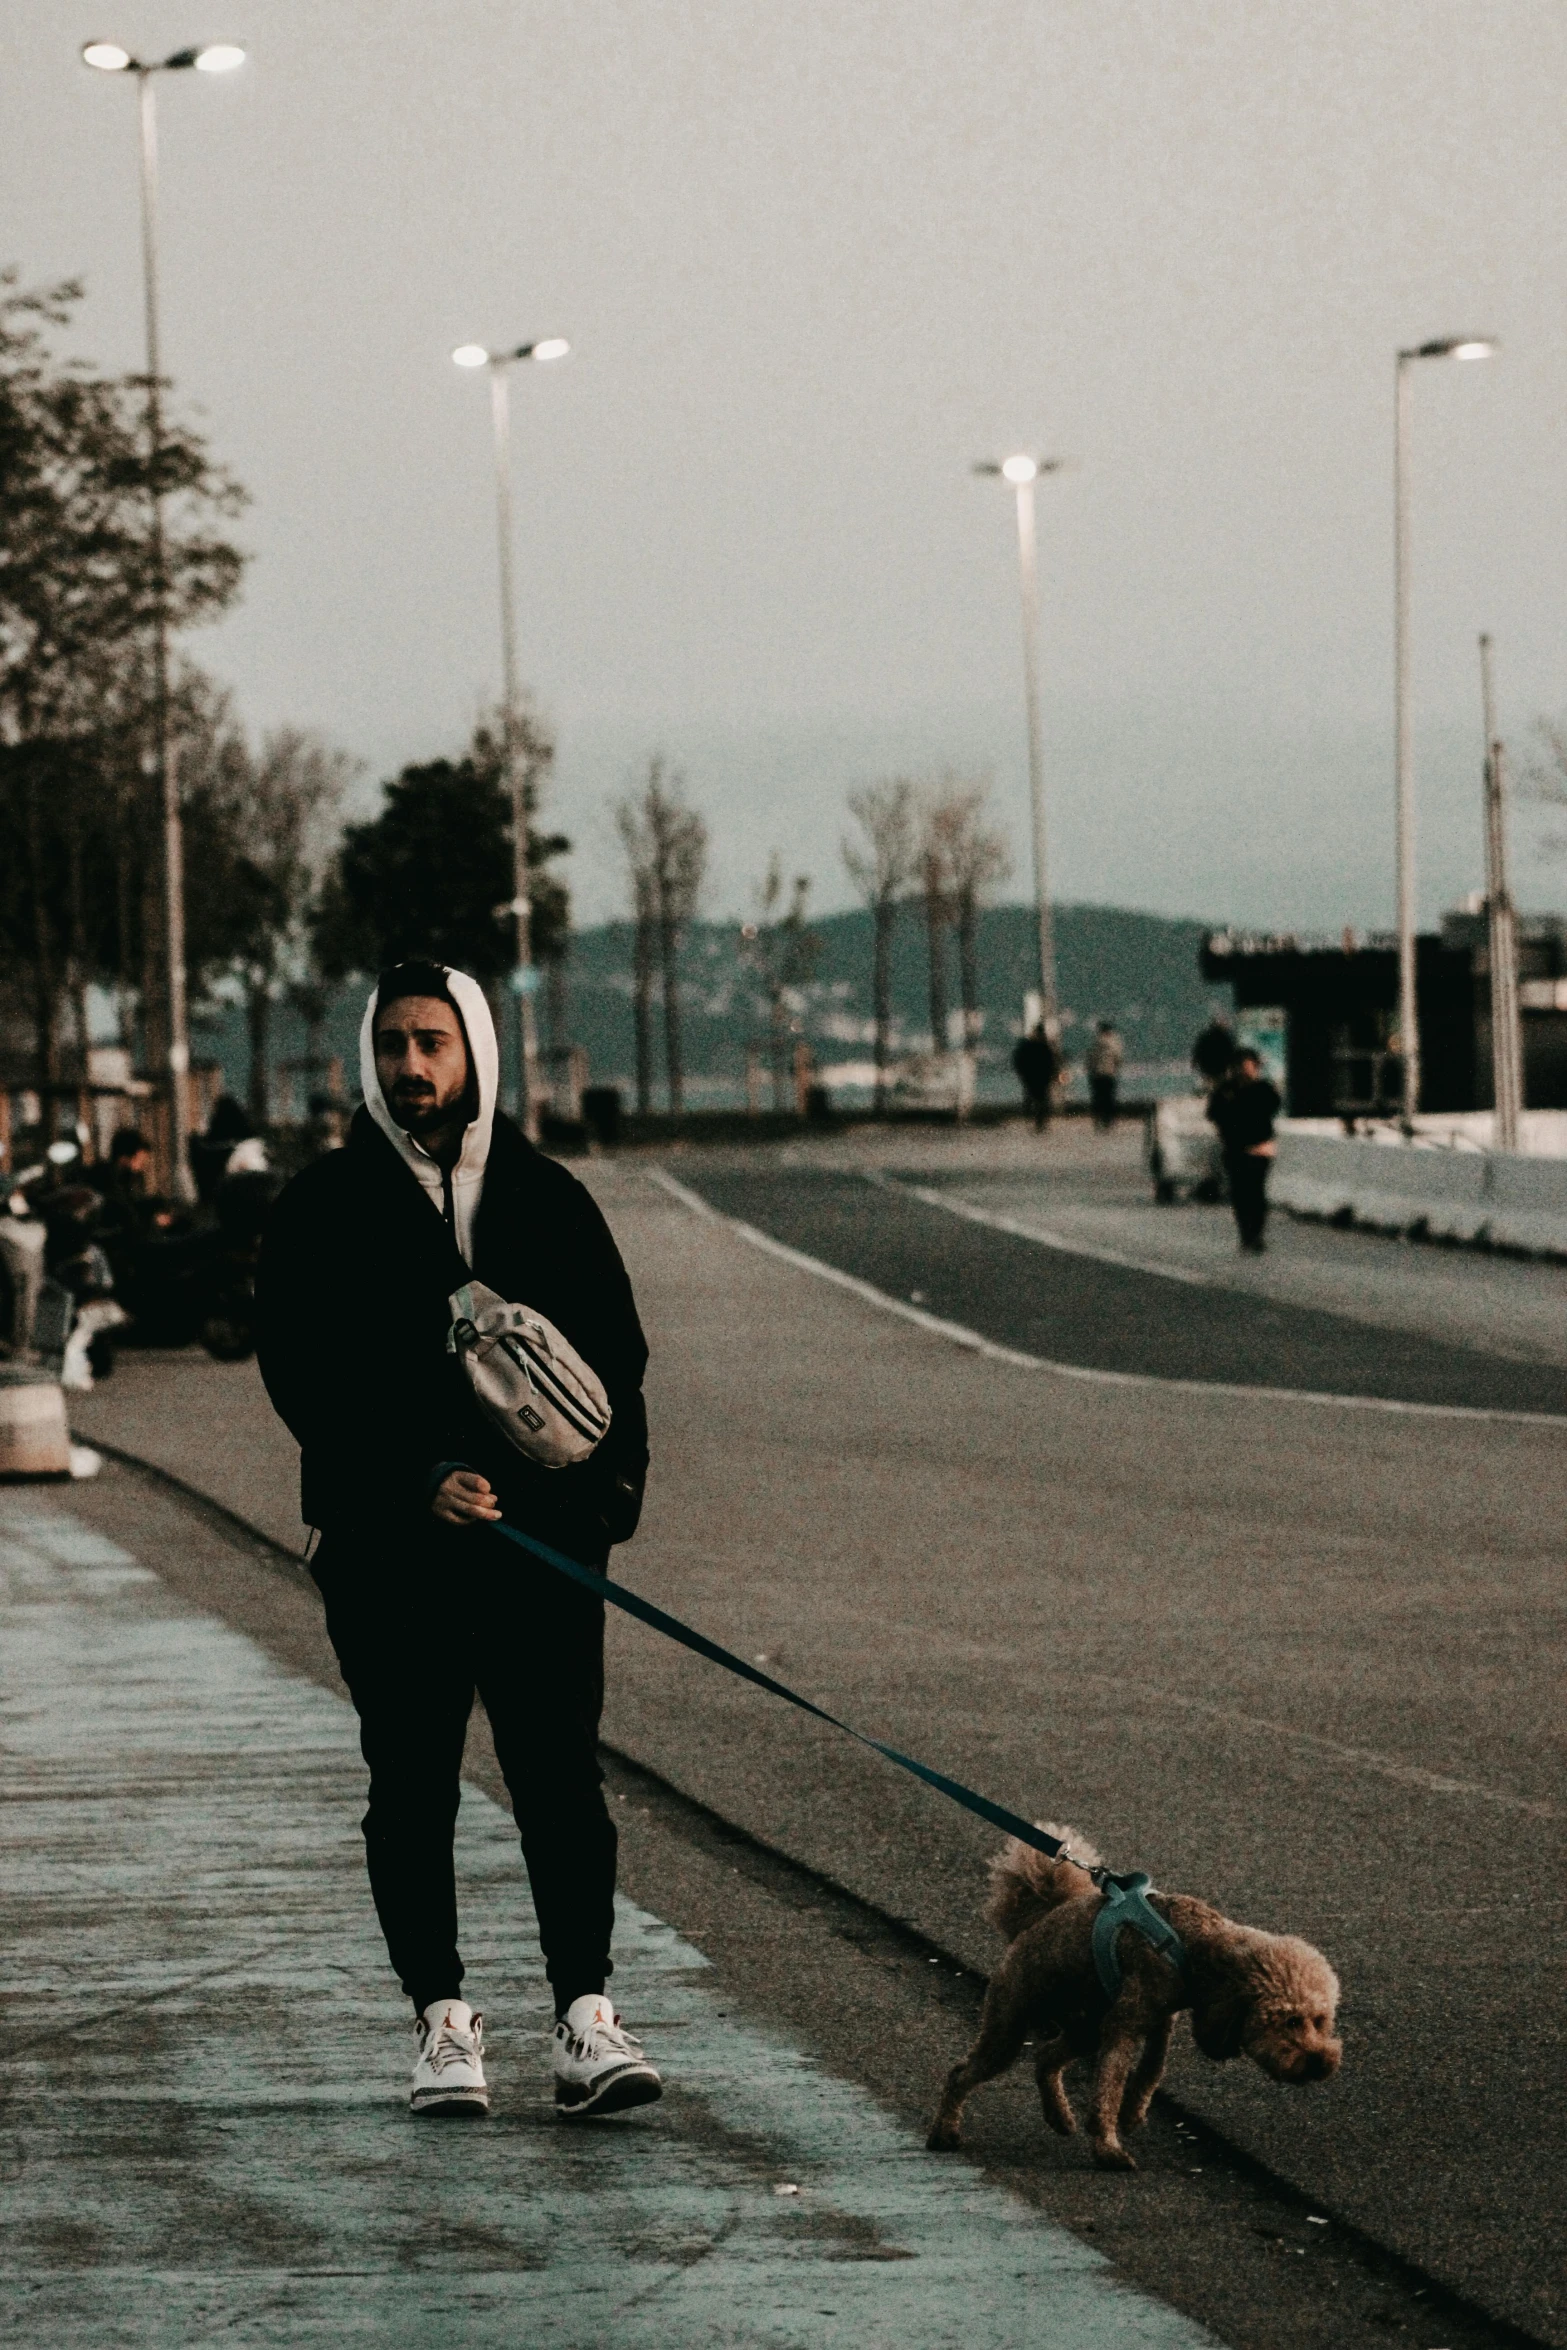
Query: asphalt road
column 1301, row 1660
column 1081, row 1309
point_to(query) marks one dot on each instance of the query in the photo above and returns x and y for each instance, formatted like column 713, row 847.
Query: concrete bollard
column 35, row 1436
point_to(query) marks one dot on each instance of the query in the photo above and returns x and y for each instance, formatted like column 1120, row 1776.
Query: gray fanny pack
column 527, row 1378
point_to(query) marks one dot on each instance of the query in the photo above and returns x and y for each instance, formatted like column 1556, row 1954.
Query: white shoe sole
column 438, row 2101
column 617, row 2092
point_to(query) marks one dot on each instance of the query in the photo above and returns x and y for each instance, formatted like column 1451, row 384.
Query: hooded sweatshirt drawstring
column 454, row 1193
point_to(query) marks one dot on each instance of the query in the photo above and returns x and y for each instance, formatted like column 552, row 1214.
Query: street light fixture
column 1462, row 347
column 109, row 57
column 1022, row 473
column 525, row 976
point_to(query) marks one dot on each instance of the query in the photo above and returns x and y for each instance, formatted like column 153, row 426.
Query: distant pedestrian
column 1214, row 1053
column 1103, row 1064
column 1243, row 1106
column 406, row 1476
column 1038, row 1067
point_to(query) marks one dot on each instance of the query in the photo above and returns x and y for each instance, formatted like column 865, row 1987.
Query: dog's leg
column 1051, row 2059
column 1117, row 2053
column 1001, row 2030
column 1147, row 2074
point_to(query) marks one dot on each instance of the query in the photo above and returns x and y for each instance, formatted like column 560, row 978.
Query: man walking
column 1244, row 1106
column 404, row 1476
column 1104, row 1059
column 1037, row 1065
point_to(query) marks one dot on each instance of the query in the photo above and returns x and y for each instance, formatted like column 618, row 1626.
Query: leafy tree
column 431, row 874
column 80, row 827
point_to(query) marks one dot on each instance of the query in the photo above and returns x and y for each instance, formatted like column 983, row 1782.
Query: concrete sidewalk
column 205, row 2133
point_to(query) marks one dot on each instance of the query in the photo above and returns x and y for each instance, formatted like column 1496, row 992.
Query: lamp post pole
column 108, row 57
column 525, row 972
column 1451, row 347
column 1022, row 474
column 1506, row 1040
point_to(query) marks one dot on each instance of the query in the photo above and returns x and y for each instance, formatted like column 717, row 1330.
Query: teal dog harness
column 1126, row 1903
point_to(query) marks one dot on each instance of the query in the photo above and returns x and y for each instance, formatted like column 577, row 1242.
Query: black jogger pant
column 1248, row 1176
column 416, row 1636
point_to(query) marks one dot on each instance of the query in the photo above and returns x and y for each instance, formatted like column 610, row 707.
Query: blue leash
column 635, row 1605
column 1125, row 1901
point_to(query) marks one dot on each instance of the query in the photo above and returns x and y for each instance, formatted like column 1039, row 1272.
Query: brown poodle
column 1266, row 1996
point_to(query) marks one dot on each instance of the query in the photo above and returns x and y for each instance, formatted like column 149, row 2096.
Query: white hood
column 468, row 1174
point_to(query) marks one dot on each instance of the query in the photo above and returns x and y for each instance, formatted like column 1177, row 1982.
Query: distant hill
column 1138, row 969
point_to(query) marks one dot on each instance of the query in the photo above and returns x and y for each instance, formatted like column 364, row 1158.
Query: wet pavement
column 205, row 2133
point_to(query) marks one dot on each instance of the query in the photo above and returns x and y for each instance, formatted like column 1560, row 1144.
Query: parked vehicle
column 1181, row 1151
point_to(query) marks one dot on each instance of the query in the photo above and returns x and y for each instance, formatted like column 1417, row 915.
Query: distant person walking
column 1103, row 1064
column 1213, row 1054
column 1244, row 1106
column 405, row 1475
column 1038, row 1067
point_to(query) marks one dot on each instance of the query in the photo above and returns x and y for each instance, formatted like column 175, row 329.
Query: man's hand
column 466, row 1499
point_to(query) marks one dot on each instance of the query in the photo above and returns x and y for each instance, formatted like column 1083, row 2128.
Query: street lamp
column 1450, row 347
column 525, row 977
column 1022, row 473
column 216, row 57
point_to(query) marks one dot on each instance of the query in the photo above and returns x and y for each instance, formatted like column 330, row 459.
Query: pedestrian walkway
column 206, row 2135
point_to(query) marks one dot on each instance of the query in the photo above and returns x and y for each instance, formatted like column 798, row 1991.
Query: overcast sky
column 815, row 257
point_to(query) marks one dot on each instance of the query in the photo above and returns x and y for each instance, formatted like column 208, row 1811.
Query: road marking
column 958, row 1334
column 1045, row 1235
column 1365, row 1757
column 1384, row 1766
column 226, row 2150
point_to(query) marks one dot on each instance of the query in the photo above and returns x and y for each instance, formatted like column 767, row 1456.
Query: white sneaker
column 598, row 2067
column 449, row 2076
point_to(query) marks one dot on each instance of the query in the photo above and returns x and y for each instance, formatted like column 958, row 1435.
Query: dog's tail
column 1025, row 1884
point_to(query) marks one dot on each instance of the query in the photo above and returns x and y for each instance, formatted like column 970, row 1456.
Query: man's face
column 421, row 1059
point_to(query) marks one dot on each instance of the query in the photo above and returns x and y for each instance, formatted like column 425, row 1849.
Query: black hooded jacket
column 352, row 1291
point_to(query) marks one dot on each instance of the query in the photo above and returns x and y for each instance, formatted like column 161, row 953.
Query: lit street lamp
column 1451, row 347
column 525, row 977
column 1022, row 472
column 216, row 57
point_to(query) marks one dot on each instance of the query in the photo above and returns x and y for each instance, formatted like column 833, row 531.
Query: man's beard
column 417, row 1110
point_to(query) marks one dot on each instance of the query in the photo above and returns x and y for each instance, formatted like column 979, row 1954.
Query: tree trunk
column 258, row 1022
column 883, row 914
column 779, row 1042
column 669, row 945
column 78, row 954
column 124, row 911
column 936, row 933
column 642, row 1009
column 45, row 982
column 968, row 967
column 154, row 1007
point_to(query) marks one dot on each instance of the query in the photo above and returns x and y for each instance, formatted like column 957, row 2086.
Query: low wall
column 1497, row 1199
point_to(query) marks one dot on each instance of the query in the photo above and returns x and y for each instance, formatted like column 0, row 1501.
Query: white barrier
column 1494, row 1198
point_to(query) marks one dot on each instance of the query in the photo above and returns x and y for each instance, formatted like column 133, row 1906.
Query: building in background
column 1326, row 1014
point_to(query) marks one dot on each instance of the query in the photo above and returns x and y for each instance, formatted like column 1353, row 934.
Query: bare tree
column 881, row 869
column 631, row 823
column 975, row 858
column 935, row 880
column 784, row 954
column 278, row 808
column 666, row 846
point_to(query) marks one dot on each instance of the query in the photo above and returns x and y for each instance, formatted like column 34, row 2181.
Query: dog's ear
column 1219, row 2015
